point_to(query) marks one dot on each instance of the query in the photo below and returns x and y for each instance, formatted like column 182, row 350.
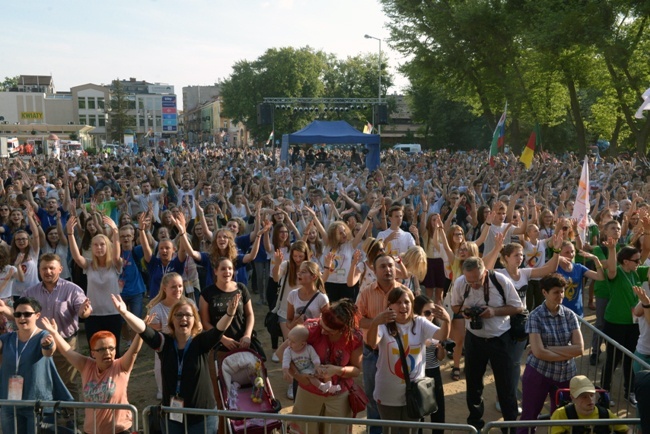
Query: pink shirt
column 108, row 387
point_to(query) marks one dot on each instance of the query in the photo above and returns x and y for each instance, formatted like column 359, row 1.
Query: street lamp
column 379, row 74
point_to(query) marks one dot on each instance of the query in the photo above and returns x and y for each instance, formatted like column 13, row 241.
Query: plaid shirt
column 554, row 330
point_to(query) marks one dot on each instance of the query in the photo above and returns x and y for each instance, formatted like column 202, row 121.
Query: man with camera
column 487, row 339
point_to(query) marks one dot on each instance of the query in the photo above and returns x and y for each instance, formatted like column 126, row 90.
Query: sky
column 179, row 42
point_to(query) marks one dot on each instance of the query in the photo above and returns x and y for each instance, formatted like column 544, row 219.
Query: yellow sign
column 31, row 115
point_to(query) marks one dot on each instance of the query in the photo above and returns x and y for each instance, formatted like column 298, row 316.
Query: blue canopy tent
column 335, row 133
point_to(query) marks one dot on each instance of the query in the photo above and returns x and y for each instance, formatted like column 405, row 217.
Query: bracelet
column 330, row 269
column 141, row 230
column 70, row 235
column 182, row 234
column 556, row 250
column 645, row 306
column 369, row 218
column 47, row 347
column 231, row 316
column 488, row 224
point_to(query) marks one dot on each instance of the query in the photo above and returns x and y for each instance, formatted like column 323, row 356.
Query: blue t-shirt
column 40, row 378
column 157, row 270
column 131, row 277
column 48, row 219
column 573, row 291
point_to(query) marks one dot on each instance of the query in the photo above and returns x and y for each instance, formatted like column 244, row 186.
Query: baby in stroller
column 305, row 359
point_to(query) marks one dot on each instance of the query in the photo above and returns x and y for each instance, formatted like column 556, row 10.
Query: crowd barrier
column 551, row 423
column 621, row 407
column 69, row 425
column 258, row 422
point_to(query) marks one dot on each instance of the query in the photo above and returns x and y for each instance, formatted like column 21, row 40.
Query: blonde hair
column 314, row 270
column 333, row 236
column 415, row 261
column 161, row 294
column 109, row 252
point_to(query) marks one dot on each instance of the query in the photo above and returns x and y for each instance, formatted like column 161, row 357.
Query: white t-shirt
column 284, row 281
column 398, row 246
column 521, row 285
column 342, row 262
column 30, row 269
column 306, row 361
column 103, row 282
column 313, row 311
column 497, row 325
column 494, row 229
column 162, row 315
column 7, row 277
column 390, row 388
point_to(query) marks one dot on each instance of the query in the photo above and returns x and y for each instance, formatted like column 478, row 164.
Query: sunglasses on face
column 427, row 313
column 23, row 314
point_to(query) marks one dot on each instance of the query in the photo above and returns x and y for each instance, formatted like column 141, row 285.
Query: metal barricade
column 621, row 407
column 550, row 423
column 260, row 422
column 42, row 422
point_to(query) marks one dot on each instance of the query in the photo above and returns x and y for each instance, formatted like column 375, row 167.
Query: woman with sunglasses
column 104, row 377
column 27, row 363
column 184, row 361
column 619, row 321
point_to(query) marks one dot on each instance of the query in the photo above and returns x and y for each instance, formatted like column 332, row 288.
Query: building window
column 82, row 103
column 92, row 121
column 82, row 120
column 131, row 105
column 142, row 122
column 102, row 121
column 100, row 102
column 91, row 103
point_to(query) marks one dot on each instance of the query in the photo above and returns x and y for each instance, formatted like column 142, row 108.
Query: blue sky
column 179, row 42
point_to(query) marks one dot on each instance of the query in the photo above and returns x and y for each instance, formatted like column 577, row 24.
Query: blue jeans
column 24, row 421
column 369, row 366
column 208, row 426
column 134, row 304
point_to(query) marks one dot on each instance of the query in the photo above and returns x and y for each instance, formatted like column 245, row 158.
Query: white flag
column 581, row 207
column 644, row 106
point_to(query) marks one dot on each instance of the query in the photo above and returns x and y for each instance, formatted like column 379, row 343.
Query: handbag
column 357, row 398
column 420, row 399
column 272, row 319
column 518, row 326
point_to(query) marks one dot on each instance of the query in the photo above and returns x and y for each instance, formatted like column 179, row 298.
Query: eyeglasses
column 427, row 313
column 183, row 315
column 23, row 314
column 104, row 350
column 637, row 260
column 458, row 234
column 22, row 239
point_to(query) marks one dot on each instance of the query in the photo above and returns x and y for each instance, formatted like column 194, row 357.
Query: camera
column 473, row 313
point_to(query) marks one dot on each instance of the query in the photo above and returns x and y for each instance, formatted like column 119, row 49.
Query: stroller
column 244, row 386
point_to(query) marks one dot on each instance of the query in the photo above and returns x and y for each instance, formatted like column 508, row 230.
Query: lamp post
column 379, row 74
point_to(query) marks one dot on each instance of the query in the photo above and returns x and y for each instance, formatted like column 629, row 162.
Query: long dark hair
column 393, row 296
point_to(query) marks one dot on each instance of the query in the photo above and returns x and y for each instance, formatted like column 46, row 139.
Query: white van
column 71, row 148
column 410, row 148
column 9, row 147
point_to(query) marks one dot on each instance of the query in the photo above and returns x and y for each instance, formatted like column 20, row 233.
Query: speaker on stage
column 264, row 114
column 382, row 114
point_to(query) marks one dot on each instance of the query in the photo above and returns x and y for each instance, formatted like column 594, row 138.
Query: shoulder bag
column 420, row 399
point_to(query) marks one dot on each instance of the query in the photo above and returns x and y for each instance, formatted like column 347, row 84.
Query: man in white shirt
column 487, row 337
column 396, row 241
column 148, row 197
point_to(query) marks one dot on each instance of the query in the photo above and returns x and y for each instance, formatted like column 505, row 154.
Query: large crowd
column 431, row 255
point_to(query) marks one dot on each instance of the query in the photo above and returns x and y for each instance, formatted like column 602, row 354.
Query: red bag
column 357, row 398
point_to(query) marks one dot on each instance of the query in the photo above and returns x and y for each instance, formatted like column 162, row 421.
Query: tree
column 119, row 118
column 300, row 73
column 8, row 83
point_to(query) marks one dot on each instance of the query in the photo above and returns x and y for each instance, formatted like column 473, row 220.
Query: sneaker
column 275, row 358
column 290, row 392
column 593, row 359
column 631, row 398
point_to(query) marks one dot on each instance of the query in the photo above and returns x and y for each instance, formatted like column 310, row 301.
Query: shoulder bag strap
column 310, row 300
column 407, row 378
column 279, row 299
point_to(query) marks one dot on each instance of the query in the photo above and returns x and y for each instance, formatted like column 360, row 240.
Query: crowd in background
column 356, row 258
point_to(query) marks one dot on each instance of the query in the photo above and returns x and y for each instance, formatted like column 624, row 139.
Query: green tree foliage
column 576, row 67
column 8, row 83
column 119, row 118
column 300, row 73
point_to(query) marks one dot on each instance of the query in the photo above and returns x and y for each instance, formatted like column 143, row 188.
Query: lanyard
column 19, row 355
column 180, row 364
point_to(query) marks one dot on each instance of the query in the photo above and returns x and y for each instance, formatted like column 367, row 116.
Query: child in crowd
column 305, row 359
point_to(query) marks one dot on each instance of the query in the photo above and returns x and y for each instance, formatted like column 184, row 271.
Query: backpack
column 571, row 413
column 518, row 321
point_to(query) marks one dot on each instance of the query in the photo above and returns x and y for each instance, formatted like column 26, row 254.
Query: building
column 32, row 111
column 401, row 128
column 203, row 123
column 89, row 106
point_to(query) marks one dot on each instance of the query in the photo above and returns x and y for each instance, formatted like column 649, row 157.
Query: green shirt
column 623, row 299
column 602, row 287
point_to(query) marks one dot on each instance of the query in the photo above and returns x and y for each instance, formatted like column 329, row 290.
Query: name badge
column 15, row 388
column 176, row 402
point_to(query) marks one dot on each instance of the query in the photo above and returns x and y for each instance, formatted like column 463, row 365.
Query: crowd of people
column 434, row 249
